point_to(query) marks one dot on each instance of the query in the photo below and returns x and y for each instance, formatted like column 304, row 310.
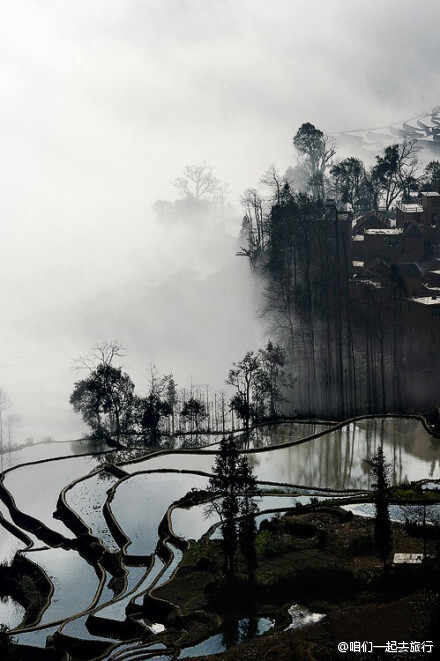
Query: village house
column 410, row 246
column 426, row 310
column 408, row 213
column 431, row 208
column 413, row 233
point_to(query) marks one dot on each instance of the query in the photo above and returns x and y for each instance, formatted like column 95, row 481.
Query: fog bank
column 101, row 107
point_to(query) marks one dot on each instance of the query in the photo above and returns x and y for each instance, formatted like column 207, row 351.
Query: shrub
column 363, row 545
column 265, row 543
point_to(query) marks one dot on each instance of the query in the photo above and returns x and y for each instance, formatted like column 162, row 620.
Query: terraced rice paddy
column 424, row 128
column 115, row 536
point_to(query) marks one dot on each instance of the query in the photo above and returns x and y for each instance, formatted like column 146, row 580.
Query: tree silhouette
column 105, row 400
column 243, row 376
column 247, row 528
column 381, row 490
column 271, row 378
column 317, row 150
column 225, row 485
column 395, row 171
column 156, row 405
column 234, row 490
column 194, row 412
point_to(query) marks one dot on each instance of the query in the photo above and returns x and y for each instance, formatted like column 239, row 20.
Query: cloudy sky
column 102, row 105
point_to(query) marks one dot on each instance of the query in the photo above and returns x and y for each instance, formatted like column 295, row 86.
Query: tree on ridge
column 381, row 489
column 234, row 489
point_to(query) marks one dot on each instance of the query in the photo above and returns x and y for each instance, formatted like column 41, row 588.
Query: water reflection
column 137, row 448
column 36, row 638
column 336, row 460
column 87, row 499
column 234, row 631
column 36, row 487
column 11, row 612
column 49, row 449
column 192, row 441
column 279, row 434
column 9, row 545
column 116, row 610
column 193, row 522
column 75, row 582
column 400, row 513
column 141, row 502
column 339, row 459
column 169, row 571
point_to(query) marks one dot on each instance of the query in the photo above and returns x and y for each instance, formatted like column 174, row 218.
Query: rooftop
column 428, row 263
column 431, row 194
column 426, row 300
column 410, row 208
column 393, row 232
column 367, row 281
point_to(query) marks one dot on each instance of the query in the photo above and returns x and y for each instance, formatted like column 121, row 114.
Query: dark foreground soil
column 324, row 560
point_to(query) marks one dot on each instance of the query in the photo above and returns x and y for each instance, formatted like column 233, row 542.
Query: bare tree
column 198, row 182
column 172, row 399
column 396, row 171
column 100, row 354
column 275, row 181
column 223, row 409
column 243, row 376
column 219, row 195
column 12, row 420
column 158, row 404
column 5, row 403
column 253, row 226
column 271, row 379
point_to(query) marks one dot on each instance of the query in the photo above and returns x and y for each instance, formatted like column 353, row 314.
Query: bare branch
column 100, row 354
column 198, row 181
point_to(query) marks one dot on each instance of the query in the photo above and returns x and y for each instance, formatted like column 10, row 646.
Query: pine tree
column 234, row 490
column 381, row 490
column 225, row 482
column 247, row 528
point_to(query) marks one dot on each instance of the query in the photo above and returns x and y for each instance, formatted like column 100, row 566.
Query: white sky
column 101, row 106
